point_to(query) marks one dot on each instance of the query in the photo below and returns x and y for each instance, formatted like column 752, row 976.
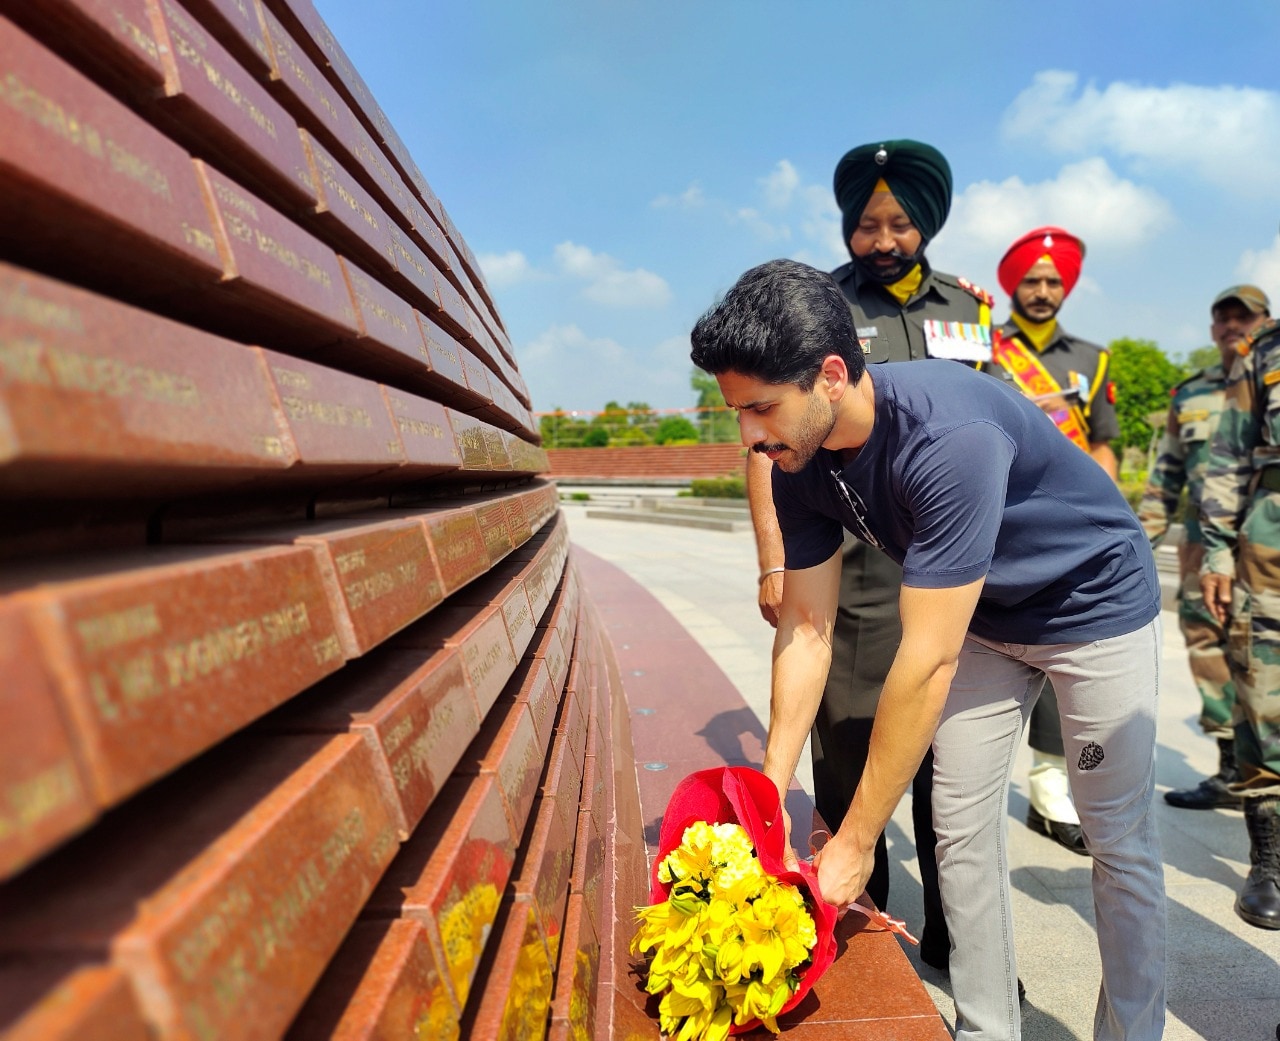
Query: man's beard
column 1020, row 309
column 815, row 427
column 887, row 274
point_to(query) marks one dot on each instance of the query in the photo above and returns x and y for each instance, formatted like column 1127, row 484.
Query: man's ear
column 834, row 374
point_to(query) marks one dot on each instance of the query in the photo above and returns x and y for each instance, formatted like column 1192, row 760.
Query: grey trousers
column 1107, row 694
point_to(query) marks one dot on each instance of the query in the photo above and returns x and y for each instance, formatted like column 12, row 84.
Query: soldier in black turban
column 917, row 175
column 894, row 196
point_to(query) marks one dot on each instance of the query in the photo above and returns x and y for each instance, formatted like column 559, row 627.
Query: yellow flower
column 726, row 945
column 463, row 929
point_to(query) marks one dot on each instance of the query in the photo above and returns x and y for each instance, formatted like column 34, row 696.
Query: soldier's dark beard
column 887, row 274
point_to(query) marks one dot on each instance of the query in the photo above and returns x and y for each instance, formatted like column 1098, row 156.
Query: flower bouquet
column 734, row 938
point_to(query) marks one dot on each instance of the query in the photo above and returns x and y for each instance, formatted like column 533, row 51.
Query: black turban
column 916, row 173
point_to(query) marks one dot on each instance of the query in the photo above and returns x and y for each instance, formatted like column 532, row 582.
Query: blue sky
column 616, row 165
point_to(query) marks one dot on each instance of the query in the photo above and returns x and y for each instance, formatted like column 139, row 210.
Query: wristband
column 771, row 571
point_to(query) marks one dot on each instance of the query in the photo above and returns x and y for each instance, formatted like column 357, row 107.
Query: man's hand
column 764, row 522
column 789, row 859
column 843, row 870
column 771, row 598
column 1216, row 590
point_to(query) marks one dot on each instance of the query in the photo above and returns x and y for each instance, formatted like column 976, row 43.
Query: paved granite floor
column 1224, row 976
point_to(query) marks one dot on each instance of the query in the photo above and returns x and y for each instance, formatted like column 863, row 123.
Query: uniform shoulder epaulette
column 982, row 296
column 1265, row 331
column 1185, row 380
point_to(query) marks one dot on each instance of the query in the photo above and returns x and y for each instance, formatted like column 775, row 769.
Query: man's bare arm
column 1105, row 458
column 934, row 624
column 764, row 519
column 801, row 658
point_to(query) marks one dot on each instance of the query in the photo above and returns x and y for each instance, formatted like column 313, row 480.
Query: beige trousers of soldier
column 1107, row 693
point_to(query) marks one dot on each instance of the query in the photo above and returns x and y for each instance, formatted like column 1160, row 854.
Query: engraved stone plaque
column 477, row 376
column 273, row 266
column 418, row 715
column 588, row 865
column 339, row 422
column 508, row 748
column 443, row 354
column 381, row 576
column 142, row 402
column 75, row 159
column 115, row 35
column 574, row 1005
column 296, row 78
column 468, row 432
column 537, row 691
column 207, row 88
column 425, row 432
column 383, row 983
column 548, row 863
column 69, row 1003
column 458, row 546
column 492, row 518
column 344, row 206
column 451, row 874
column 388, row 332
column 42, row 796
column 235, row 23
column 160, row 654
column 517, row 992
column 271, row 847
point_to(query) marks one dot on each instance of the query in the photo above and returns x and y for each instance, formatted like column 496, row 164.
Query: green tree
column 597, row 436
column 675, row 429
column 613, row 417
column 560, row 430
column 642, row 417
column 1203, row 357
column 718, row 425
column 1143, row 375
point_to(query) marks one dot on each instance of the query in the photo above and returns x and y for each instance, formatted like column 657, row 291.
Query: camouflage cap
column 1251, row 296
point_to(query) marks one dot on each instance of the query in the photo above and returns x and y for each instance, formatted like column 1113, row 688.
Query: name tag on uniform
column 959, row 341
column 866, row 332
column 1196, row 415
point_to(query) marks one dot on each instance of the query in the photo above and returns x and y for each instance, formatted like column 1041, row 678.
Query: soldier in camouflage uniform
column 1180, row 463
column 1240, row 581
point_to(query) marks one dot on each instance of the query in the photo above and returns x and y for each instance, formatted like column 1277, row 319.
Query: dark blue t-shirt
column 961, row 478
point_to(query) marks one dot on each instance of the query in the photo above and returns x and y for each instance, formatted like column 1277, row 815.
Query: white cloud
column 507, row 269
column 1226, row 135
column 689, row 199
column 1262, row 268
column 765, row 230
column 1087, row 198
column 561, row 344
column 608, row 283
column 780, row 184
column 800, row 217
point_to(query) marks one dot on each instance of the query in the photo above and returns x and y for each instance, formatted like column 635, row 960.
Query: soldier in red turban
column 1067, row 377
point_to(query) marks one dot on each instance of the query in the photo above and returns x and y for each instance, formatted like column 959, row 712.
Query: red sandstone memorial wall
column 308, row 728
column 647, row 462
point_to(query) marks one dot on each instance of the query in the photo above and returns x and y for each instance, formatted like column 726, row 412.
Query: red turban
column 1064, row 249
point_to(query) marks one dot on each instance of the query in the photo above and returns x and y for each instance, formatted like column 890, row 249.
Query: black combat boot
column 1212, row 793
column 1259, row 900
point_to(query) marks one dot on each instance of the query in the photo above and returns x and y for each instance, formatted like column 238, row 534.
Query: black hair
column 776, row 325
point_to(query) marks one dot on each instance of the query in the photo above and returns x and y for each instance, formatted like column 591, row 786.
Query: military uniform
column 1066, row 357
column 868, row 628
column 1182, row 458
column 1240, row 518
